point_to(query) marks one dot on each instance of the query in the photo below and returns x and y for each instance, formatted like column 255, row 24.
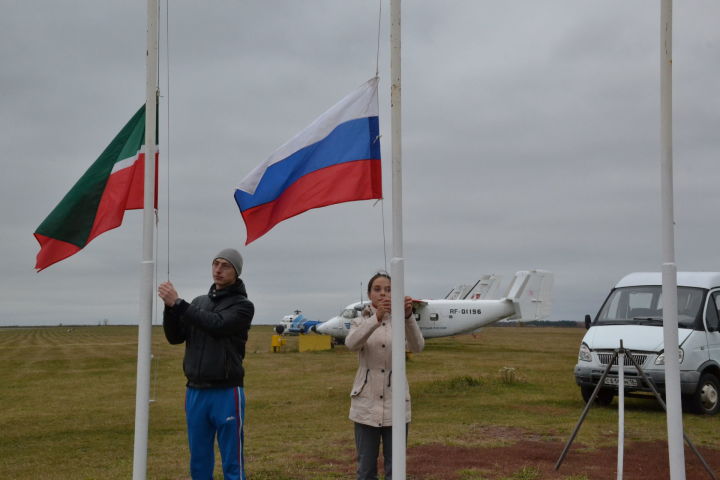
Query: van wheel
column 604, row 397
column 706, row 399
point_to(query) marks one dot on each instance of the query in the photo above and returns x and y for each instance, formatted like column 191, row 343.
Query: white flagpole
column 397, row 263
column 669, row 268
column 621, row 411
column 142, row 392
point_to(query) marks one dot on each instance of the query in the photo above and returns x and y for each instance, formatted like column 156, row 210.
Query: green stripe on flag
column 72, row 219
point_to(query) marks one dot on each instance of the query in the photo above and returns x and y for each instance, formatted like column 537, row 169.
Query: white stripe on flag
column 123, row 164
column 361, row 103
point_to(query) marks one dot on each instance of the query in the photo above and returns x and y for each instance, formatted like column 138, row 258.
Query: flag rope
column 167, row 120
column 377, row 74
column 377, row 55
column 156, row 359
column 382, row 213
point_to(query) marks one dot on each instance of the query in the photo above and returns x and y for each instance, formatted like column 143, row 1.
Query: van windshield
column 643, row 306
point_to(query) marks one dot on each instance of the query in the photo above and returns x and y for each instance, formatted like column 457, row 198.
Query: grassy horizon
column 68, row 399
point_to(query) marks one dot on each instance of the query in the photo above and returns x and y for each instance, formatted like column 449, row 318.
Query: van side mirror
column 588, row 321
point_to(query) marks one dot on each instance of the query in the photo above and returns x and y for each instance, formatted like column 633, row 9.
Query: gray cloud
column 530, row 140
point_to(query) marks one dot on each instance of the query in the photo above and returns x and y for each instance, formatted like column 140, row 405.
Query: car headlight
column 585, row 354
column 660, row 360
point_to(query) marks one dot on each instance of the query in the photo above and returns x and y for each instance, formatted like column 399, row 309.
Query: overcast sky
column 530, row 140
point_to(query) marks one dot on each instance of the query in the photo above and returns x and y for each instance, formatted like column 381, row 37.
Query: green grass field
column 68, row 397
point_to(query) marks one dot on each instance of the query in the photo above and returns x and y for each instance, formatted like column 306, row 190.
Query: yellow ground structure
column 314, row 342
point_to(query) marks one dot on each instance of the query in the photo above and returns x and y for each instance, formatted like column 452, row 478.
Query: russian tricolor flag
column 335, row 159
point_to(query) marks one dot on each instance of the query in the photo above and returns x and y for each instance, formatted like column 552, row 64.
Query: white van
column 632, row 313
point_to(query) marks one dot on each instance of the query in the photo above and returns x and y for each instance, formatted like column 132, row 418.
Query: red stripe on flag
column 52, row 251
column 349, row 181
column 123, row 191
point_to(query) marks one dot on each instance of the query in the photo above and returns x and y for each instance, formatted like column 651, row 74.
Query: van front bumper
column 590, row 376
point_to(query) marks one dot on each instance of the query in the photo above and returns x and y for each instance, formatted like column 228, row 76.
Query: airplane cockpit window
column 350, row 313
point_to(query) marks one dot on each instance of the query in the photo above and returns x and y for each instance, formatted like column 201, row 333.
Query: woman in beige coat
column 371, row 397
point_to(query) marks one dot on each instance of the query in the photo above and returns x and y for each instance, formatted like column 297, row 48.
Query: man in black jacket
column 214, row 328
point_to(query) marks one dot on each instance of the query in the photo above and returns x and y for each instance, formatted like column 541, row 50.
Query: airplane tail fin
column 531, row 294
column 458, row 291
column 485, row 289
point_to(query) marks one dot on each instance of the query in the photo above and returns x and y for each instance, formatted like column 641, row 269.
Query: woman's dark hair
column 375, row 277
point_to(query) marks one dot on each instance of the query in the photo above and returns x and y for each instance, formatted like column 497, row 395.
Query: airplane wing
column 421, row 303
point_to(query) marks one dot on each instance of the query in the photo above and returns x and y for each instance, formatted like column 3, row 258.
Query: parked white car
column 633, row 313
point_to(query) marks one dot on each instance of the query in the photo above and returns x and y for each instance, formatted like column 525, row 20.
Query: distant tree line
column 541, row 323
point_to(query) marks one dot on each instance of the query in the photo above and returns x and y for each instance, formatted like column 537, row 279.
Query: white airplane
column 528, row 298
column 339, row 326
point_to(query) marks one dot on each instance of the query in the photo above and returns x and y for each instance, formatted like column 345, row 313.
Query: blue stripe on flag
column 353, row 140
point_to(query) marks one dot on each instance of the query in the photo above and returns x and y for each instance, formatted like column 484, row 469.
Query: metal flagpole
column 142, row 392
column 397, row 263
column 669, row 268
column 621, row 410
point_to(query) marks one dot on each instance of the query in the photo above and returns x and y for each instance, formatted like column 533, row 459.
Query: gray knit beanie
column 232, row 256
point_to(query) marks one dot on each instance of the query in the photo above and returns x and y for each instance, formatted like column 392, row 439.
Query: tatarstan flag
column 97, row 202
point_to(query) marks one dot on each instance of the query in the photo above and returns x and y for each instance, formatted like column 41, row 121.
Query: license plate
column 629, row 382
